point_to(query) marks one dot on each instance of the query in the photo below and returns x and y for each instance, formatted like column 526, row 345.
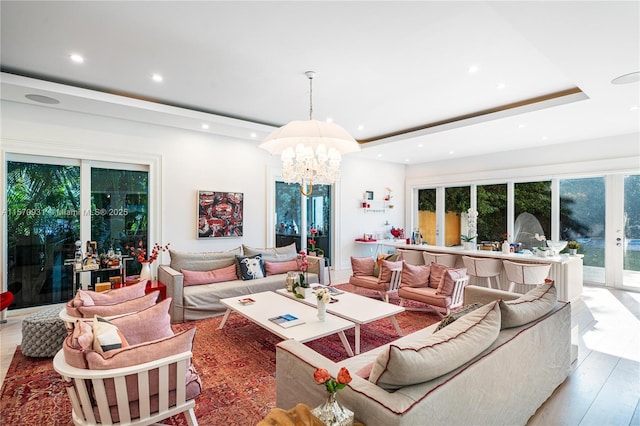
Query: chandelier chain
column 310, row 96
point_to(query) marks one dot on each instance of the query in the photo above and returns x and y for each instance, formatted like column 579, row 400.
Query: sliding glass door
column 46, row 215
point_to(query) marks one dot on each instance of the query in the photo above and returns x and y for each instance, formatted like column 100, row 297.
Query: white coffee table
column 358, row 309
column 269, row 304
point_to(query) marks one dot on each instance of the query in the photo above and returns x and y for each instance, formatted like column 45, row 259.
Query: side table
column 156, row 285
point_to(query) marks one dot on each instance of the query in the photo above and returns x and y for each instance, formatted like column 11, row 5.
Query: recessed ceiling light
column 451, row 152
column 501, row 86
column 329, row 120
column 474, row 69
column 633, row 108
column 360, row 127
column 253, row 135
column 42, row 99
column 379, row 155
column 406, row 160
column 78, row 59
column 632, row 77
column 420, row 145
column 544, row 138
column 205, row 126
column 521, row 126
column 157, row 78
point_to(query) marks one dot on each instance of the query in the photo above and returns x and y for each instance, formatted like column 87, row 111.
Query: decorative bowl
column 556, row 246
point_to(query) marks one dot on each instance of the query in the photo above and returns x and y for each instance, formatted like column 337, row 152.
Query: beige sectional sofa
column 202, row 300
column 502, row 383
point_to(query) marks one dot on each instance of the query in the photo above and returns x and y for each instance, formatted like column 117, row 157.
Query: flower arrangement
column 573, row 245
column 323, row 295
column 397, row 232
column 472, row 225
column 312, row 242
column 140, row 253
column 468, row 238
column 505, row 236
column 303, row 265
column 322, row 377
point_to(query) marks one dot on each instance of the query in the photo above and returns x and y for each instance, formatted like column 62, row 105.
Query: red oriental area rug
column 236, row 364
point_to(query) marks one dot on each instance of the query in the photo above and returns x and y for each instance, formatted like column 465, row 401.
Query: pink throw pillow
column 415, row 275
column 436, row 273
column 275, row 268
column 149, row 324
column 449, row 279
column 126, row 307
column 362, row 266
column 114, row 296
column 207, row 277
column 385, row 270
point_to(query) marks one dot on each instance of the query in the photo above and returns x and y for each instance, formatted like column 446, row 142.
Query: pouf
column 43, row 333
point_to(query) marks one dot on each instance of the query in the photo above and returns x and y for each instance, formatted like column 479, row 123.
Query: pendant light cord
column 310, row 96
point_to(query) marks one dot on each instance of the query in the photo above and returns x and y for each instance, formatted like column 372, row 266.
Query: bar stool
column 481, row 267
column 412, row 257
column 525, row 273
column 440, row 258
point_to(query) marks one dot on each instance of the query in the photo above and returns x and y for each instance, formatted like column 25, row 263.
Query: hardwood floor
column 604, row 385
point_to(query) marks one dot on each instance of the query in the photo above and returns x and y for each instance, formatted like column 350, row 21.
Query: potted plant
column 573, row 247
column 468, row 241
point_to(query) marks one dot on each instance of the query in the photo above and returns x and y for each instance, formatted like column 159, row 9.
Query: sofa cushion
column 127, row 307
column 385, row 270
column 110, row 297
column 362, row 266
column 432, row 355
column 415, row 275
column 274, row 254
column 148, row 324
column 250, row 267
column 530, row 306
column 275, row 268
column 203, row 261
column 228, row 273
column 106, row 336
column 448, row 280
column 378, row 265
column 458, row 313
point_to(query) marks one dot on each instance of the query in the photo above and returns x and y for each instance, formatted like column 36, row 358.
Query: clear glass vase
column 331, row 413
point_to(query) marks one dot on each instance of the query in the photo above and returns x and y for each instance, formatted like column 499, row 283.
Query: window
column 492, row 212
column 532, row 212
column 427, row 215
column 457, row 201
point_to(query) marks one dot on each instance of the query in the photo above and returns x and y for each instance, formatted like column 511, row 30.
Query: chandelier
column 311, row 150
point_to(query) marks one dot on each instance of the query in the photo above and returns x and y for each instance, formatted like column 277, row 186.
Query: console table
column 566, row 270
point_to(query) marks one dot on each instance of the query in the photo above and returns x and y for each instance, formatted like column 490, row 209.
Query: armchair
column 385, row 284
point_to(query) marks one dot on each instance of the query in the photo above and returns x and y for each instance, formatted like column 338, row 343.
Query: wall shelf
column 375, row 206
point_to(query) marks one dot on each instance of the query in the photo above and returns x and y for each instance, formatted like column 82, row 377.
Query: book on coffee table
column 286, row 320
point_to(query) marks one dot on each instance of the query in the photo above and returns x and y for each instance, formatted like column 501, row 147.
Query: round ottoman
column 43, row 333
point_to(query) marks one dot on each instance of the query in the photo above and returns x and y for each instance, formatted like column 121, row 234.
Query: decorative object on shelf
column 469, row 240
column 331, row 412
column 324, row 296
column 506, row 247
column 311, row 151
column 300, row 288
column 573, row 247
column 145, row 271
column 388, row 196
column 556, row 246
column 220, row 214
column 292, row 276
column 541, row 250
column 368, row 195
column 78, row 256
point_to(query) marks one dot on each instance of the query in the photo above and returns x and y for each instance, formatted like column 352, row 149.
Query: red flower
column 140, row 253
column 343, row 376
column 321, row 376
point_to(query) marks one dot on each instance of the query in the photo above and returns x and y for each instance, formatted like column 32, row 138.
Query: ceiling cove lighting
column 311, row 150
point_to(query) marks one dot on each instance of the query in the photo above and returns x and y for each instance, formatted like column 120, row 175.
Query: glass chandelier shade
column 310, row 150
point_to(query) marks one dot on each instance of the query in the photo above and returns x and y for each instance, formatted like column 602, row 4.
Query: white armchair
column 87, row 391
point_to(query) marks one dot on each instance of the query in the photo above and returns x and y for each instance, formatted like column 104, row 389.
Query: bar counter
column 566, row 270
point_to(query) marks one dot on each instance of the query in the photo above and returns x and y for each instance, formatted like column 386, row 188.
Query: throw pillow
column 82, row 336
column 277, row 254
column 530, row 306
column 448, row 280
column 227, row 273
column 111, row 297
column 415, row 275
column 362, row 266
column 204, row 261
column 106, row 336
column 435, row 274
column 250, row 267
column 275, row 268
column 381, row 257
column 385, row 270
column 148, row 324
column 458, row 313
column 127, row 307
column 428, row 356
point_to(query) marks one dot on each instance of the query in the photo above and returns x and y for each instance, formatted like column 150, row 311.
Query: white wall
column 191, row 161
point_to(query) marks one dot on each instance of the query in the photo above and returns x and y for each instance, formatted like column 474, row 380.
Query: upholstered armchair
column 385, row 280
column 437, row 286
column 131, row 370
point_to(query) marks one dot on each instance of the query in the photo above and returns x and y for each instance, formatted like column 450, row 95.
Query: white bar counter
column 566, row 270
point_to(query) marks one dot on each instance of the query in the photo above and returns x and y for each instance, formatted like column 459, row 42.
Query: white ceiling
column 382, row 68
